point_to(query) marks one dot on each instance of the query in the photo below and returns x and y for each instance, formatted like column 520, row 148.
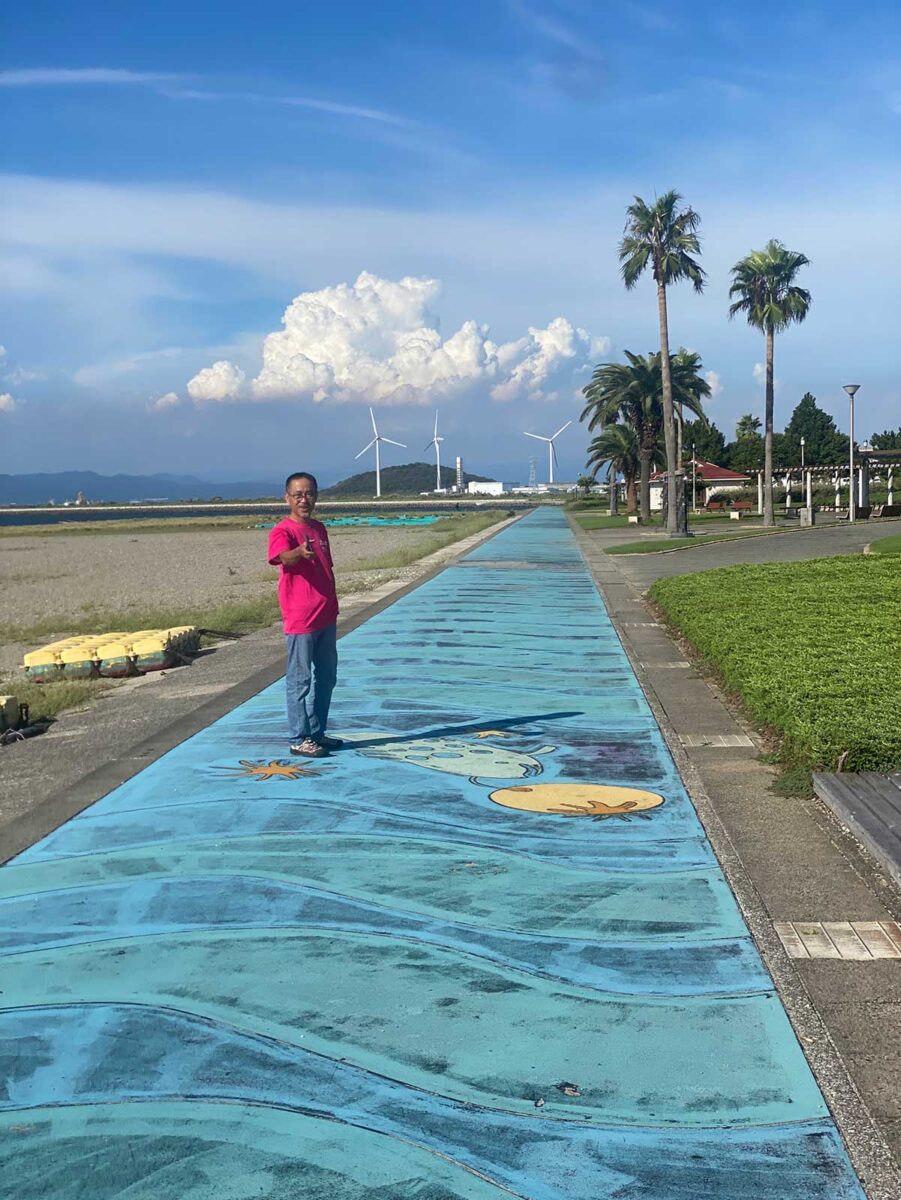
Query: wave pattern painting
column 483, row 951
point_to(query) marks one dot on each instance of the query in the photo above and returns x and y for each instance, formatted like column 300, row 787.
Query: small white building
column 487, row 487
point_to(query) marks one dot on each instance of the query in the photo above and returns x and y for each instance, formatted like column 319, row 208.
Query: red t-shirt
column 306, row 589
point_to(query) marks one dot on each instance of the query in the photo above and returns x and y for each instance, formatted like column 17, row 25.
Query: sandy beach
column 69, row 576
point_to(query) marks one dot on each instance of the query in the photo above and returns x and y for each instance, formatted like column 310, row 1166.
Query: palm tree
column 617, row 445
column 632, row 392
column 747, row 426
column 664, row 235
column 764, row 282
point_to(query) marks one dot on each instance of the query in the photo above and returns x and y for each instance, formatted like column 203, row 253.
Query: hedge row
column 812, row 648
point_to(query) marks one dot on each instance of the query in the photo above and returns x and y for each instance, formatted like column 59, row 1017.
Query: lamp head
column 851, row 388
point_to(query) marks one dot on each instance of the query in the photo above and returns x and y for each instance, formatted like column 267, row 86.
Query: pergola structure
column 866, row 460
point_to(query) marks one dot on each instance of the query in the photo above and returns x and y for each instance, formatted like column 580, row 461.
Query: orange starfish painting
column 276, row 769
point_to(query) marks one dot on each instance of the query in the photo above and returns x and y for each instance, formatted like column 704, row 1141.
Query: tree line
column 638, row 406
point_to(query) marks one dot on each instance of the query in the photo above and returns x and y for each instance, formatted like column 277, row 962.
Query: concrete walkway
column 486, row 950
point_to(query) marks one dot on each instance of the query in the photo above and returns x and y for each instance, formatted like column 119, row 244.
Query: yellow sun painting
column 276, row 769
column 596, row 800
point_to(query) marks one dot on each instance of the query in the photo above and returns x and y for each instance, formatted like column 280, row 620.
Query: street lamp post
column 852, row 389
column 694, row 480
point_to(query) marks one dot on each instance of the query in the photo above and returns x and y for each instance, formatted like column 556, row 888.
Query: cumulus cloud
column 222, row 381
column 169, row 400
column 714, row 383
column 7, row 403
column 378, row 340
column 760, row 377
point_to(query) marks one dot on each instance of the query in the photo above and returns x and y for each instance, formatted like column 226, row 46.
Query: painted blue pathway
column 485, row 951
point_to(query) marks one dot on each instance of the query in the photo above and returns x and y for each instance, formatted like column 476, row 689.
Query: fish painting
column 475, row 760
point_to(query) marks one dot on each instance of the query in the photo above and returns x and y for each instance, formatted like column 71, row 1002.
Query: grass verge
column 887, row 545
column 662, row 547
column 431, row 538
column 811, row 650
column 48, row 700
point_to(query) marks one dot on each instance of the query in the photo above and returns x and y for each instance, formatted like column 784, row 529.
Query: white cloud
column 715, row 384
column 377, row 340
column 55, row 76
column 222, row 381
column 7, row 403
column 169, row 400
column 534, row 362
column 760, row 377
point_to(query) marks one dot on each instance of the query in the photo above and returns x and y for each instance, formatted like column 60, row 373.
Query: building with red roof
column 709, row 479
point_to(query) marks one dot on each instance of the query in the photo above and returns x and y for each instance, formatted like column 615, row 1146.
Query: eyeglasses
column 302, row 495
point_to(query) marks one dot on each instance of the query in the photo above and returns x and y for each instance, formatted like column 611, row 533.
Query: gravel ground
column 64, row 575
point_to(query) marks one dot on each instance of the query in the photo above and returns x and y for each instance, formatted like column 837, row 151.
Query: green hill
column 407, row 480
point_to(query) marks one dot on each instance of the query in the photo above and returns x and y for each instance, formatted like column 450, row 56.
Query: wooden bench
column 742, row 506
column 870, row 804
column 715, row 505
column 887, row 510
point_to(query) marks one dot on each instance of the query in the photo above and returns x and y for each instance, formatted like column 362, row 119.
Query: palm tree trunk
column 631, row 495
column 669, row 423
column 768, row 517
column 644, row 486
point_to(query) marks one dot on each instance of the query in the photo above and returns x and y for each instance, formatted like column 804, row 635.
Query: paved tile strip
column 486, row 950
column 719, row 741
column 851, row 941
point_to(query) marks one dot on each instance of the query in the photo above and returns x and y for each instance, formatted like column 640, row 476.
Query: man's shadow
column 441, row 731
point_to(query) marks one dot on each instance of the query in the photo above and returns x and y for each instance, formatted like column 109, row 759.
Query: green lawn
column 602, row 520
column 812, row 649
column 887, row 545
column 663, row 545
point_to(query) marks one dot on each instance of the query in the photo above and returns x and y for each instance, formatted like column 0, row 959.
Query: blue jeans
column 309, row 682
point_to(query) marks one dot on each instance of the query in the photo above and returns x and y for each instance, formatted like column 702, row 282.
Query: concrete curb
column 866, row 1146
column 29, row 827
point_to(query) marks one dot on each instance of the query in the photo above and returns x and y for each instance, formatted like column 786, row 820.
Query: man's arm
column 293, row 554
column 304, row 550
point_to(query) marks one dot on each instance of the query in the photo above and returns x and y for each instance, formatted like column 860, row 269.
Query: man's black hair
column 301, row 475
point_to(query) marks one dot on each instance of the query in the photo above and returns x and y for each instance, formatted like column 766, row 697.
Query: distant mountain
column 408, row 480
column 65, row 485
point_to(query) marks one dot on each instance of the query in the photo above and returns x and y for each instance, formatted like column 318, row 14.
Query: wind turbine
column 436, row 442
column 378, row 465
column 551, row 452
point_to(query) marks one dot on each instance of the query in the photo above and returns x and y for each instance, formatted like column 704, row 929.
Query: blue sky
column 174, row 177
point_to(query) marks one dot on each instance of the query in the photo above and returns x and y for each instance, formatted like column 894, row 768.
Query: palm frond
column 764, row 289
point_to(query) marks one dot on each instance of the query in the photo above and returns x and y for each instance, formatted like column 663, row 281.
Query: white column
column 891, row 485
column 787, row 482
column 838, row 489
column 760, row 493
column 860, row 487
column 810, row 490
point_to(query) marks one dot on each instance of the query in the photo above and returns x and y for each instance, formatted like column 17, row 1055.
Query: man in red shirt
column 306, row 592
